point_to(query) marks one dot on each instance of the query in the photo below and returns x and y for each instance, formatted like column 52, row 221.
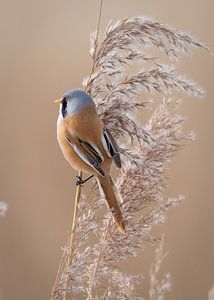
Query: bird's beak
column 58, row 101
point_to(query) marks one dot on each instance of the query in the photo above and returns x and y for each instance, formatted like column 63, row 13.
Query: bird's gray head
column 74, row 101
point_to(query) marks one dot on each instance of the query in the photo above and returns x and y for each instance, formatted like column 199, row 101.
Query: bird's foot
column 80, row 181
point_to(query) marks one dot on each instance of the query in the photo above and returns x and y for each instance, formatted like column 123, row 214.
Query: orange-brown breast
column 88, row 127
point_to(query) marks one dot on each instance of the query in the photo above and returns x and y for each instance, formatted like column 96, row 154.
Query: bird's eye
column 64, row 100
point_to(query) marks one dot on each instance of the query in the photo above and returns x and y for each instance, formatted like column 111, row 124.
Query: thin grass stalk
column 76, row 201
column 96, row 40
column 68, row 262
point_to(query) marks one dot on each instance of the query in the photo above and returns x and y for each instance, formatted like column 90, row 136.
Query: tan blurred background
column 44, row 52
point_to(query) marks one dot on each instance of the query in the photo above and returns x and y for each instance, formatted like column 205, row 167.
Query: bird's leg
column 80, row 181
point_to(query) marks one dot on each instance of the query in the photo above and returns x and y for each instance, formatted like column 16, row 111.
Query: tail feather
column 107, row 186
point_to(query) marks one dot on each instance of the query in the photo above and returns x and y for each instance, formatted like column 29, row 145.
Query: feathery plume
column 119, row 91
column 211, row 294
column 3, row 209
column 158, row 288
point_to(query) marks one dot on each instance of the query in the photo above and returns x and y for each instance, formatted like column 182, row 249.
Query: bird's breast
column 87, row 126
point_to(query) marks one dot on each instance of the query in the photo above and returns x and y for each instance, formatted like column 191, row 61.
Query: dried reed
column 211, row 294
column 3, row 209
column 124, row 77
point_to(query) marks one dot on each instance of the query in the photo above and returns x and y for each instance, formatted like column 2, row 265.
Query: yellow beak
column 58, row 101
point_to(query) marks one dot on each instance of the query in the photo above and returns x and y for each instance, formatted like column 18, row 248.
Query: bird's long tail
column 108, row 188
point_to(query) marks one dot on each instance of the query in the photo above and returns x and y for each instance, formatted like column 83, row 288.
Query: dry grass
column 98, row 249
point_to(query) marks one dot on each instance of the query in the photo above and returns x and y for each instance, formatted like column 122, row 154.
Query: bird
column 89, row 146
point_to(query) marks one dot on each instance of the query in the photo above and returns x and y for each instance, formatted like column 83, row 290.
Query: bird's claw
column 80, row 181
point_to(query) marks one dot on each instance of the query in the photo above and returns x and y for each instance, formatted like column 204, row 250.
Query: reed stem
column 66, row 264
column 76, row 201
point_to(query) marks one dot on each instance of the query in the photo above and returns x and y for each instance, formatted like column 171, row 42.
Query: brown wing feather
column 113, row 147
column 87, row 153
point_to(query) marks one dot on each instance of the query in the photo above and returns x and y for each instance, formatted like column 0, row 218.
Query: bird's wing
column 90, row 154
column 111, row 147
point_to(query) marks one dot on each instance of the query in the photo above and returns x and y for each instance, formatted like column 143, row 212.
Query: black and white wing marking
column 111, row 147
column 89, row 154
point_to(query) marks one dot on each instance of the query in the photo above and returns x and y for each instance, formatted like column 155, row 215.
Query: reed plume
column 123, row 80
column 3, row 209
column 211, row 294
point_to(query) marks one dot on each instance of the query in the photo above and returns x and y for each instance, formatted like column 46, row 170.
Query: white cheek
column 60, row 117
